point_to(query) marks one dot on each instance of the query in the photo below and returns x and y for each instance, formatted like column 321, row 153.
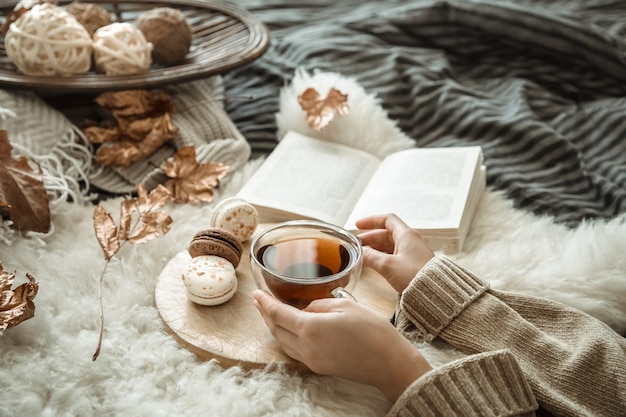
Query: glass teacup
column 303, row 260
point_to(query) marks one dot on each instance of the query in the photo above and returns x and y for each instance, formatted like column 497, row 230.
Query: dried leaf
column 106, row 232
column 149, row 223
column 22, row 192
column 320, row 111
column 143, row 138
column 135, row 104
column 143, row 209
column 98, row 134
column 143, row 125
column 154, row 225
column 127, row 208
column 154, row 200
column 16, row 305
column 191, row 182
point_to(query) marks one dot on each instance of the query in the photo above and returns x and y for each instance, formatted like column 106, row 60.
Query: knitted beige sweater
column 526, row 355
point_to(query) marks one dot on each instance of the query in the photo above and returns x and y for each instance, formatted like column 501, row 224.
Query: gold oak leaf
column 106, row 232
column 320, row 111
column 16, row 305
column 23, row 195
column 191, row 182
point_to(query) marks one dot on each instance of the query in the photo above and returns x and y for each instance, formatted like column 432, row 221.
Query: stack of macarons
column 210, row 277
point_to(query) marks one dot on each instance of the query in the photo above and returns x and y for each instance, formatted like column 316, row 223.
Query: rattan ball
column 46, row 41
column 91, row 16
column 168, row 31
column 121, row 49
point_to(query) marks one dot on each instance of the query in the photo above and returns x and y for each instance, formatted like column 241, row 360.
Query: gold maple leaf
column 320, row 111
column 191, row 182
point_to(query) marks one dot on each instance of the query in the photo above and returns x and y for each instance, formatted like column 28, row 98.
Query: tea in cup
column 303, row 260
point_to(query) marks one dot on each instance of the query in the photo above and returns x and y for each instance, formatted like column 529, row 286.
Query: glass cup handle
column 340, row 292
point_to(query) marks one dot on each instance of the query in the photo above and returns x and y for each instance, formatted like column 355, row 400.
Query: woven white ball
column 121, row 49
column 47, row 40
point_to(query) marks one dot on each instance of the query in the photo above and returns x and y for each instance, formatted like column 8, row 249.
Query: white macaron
column 209, row 280
column 236, row 216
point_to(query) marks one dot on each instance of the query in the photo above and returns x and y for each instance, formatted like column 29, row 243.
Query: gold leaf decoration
column 142, row 125
column 153, row 225
column 320, row 111
column 141, row 220
column 139, row 210
column 191, row 182
column 23, row 196
column 16, row 305
column 106, row 232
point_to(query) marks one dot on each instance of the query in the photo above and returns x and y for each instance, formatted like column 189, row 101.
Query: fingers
column 379, row 239
column 276, row 313
column 389, row 221
column 280, row 319
column 328, row 305
column 383, row 231
column 375, row 259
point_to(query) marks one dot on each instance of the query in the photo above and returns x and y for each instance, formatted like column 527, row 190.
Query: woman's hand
column 393, row 249
column 342, row 338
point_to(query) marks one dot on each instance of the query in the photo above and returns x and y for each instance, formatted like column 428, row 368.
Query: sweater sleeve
column 486, row 384
column 574, row 364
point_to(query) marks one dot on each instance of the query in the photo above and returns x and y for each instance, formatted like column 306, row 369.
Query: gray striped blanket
column 540, row 85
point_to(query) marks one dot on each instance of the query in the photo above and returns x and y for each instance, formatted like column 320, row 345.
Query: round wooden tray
column 234, row 332
column 225, row 36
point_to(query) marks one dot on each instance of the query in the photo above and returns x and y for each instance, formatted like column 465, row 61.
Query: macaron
column 237, row 216
column 209, row 280
column 218, row 242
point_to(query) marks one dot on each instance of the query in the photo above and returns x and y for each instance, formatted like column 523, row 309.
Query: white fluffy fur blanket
column 46, row 367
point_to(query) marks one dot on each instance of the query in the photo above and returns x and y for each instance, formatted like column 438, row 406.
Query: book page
column 309, row 178
column 428, row 188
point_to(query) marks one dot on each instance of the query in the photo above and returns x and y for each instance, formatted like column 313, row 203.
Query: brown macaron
column 218, row 242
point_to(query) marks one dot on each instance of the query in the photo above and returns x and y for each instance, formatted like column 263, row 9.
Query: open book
column 434, row 190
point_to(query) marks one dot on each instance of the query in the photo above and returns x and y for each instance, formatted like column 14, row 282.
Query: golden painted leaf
column 153, row 225
column 23, row 196
column 143, row 138
column 106, row 232
column 320, row 111
column 98, row 134
column 136, row 104
column 191, row 182
column 139, row 219
column 16, row 305
column 155, row 199
column 142, row 126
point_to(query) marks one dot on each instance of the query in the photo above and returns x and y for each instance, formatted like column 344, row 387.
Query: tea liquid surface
column 306, row 257
column 304, row 269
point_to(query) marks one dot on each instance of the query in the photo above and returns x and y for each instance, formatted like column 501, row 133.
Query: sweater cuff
column 477, row 385
column 438, row 293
